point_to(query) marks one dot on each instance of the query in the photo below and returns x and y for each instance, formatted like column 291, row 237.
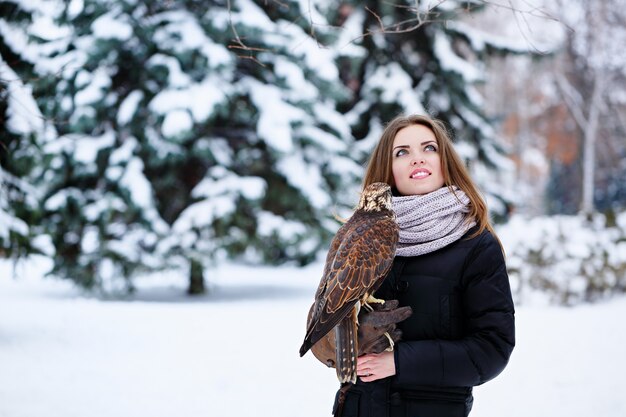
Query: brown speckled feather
column 359, row 258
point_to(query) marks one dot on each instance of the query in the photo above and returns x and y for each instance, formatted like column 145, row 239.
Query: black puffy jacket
column 461, row 332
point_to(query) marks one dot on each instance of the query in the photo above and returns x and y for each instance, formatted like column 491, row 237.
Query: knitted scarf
column 431, row 221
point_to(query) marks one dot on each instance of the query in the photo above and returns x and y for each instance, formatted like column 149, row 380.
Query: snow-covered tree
column 21, row 125
column 185, row 132
column 189, row 131
column 592, row 82
column 424, row 60
column 17, row 198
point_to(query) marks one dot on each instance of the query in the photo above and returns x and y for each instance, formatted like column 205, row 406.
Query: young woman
column 449, row 268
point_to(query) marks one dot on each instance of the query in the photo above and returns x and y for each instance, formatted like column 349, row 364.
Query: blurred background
column 170, row 173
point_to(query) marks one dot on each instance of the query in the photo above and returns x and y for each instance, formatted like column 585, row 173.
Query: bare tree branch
column 569, row 97
column 239, row 44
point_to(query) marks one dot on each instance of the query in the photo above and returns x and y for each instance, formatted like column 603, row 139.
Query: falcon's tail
column 305, row 347
column 346, row 348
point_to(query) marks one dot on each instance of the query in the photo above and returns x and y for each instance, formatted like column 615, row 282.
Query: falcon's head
column 375, row 197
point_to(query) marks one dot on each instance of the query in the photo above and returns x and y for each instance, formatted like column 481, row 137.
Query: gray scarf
column 431, row 221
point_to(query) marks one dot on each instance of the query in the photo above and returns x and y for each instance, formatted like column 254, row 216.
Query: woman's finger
column 366, row 358
column 369, row 378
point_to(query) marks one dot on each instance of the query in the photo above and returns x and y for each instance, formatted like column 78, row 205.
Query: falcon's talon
column 368, row 307
column 391, row 343
column 372, row 299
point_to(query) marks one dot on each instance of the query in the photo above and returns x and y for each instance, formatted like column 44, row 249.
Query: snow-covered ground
column 234, row 352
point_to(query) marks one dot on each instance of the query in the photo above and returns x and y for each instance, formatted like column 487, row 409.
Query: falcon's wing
column 361, row 261
column 332, row 251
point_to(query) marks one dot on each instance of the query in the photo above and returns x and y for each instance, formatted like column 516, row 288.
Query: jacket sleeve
column 490, row 329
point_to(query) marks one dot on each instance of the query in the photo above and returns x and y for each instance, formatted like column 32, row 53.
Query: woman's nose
column 417, row 161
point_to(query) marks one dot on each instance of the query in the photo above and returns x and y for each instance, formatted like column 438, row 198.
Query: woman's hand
column 375, row 366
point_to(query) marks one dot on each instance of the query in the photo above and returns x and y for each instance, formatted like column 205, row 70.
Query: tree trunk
column 591, row 129
column 196, row 278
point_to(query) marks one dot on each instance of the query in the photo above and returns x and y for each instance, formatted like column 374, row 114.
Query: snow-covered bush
column 565, row 259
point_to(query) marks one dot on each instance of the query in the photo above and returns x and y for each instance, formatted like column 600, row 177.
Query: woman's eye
column 431, row 148
column 401, row 152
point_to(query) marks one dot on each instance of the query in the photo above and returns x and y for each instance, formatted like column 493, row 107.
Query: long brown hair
column 452, row 167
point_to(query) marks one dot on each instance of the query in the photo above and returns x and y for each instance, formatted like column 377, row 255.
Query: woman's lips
column 420, row 173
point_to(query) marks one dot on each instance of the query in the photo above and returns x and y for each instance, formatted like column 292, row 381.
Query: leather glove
column 371, row 331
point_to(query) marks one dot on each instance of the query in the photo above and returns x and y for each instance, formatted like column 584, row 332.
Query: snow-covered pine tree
column 424, row 60
column 175, row 149
column 98, row 207
column 21, row 126
column 18, row 208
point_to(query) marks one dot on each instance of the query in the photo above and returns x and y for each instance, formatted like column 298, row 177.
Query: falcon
column 360, row 255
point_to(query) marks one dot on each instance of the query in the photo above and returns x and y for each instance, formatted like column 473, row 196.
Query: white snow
column 23, row 114
column 292, row 73
column 270, row 223
column 59, row 199
column 249, row 14
column 202, row 214
column 75, row 7
column 318, row 58
column 110, row 26
column 140, row 189
column 8, row 222
column 450, row 61
column 176, row 77
column 399, row 91
column 305, row 177
column 98, row 84
column 86, row 148
column 226, row 182
column 129, row 246
column 90, row 242
column 480, row 39
column 309, row 9
column 465, row 150
column 123, row 153
column 181, row 32
column 14, row 37
column 137, row 184
column 219, row 191
column 221, row 151
column 323, row 139
column 163, row 148
column 199, row 98
column 351, row 33
column 234, row 352
column 129, row 107
column 566, row 258
column 94, row 209
column 176, row 122
column 326, row 113
column 276, row 115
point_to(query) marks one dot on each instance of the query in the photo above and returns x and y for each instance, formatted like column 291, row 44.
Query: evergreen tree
column 20, row 125
column 423, row 61
column 184, row 132
column 175, row 149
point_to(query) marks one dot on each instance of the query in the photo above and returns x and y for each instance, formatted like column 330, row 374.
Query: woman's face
column 416, row 163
